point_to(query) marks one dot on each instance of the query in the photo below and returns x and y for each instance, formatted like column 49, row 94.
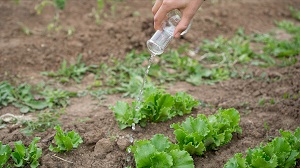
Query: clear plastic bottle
column 161, row 39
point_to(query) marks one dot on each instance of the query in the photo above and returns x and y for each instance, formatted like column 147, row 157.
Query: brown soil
column 24, row 57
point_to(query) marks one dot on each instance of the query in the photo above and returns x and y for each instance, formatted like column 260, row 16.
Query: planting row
column 194, row 136
column 157, row 106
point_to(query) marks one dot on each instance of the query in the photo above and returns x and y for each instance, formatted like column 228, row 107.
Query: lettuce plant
column 23, row 156
column 65, row 141
column 280, row 152
column 126, row 115
column 183, row 103
column 157, row 106
column 5, row 152
column 196, row 135
column 160, row 152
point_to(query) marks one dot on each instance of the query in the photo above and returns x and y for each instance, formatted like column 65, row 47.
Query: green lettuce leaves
column 5, row 152
column 23, row 156
column 196, row 135
column 280, row 152
column 157, row 106
column 65, row 141
column 159, row 152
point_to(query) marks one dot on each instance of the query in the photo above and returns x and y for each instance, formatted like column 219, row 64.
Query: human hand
column 188, row 8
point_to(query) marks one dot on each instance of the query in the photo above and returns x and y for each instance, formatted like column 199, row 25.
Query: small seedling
column 261, row 102
column 98, row 12
column 272, row 101
column 266, row 126
column 65, row 141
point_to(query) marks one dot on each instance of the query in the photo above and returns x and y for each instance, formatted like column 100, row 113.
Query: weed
column 261, row 102
column 266, row 126
column 97, row 13
column 73, row 71
column 286, row 95
column 45, row 120
column 25, row 29
column 272, row 101
column 6, row 94
column 295, row 13
column 288, row 26
column 57, row 97
column 58, row 5
column 25, row 100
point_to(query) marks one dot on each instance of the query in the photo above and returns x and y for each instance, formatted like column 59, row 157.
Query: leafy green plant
column 160, row 152
column 196, row 135
column 73, row 71
column 295, row 13
column 57, row 97
column 23, row 156
column 25, row 100
column 157, row 106
column 6, row 94
column 288, row 26
column 65, row 141
column 5, row 152
column 183, row 103
column 127, row 115
column 281, row 49
column 280, row 152
column 60, row 4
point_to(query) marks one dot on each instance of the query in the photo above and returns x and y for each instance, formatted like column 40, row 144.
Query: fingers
column 182, row 25
column 161, row 14
column 156, row 6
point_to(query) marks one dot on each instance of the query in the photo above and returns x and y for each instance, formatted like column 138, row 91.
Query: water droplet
column 131, row 138
column 133, row 126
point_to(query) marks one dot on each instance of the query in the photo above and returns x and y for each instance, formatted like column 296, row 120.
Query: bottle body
column 159, row 41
